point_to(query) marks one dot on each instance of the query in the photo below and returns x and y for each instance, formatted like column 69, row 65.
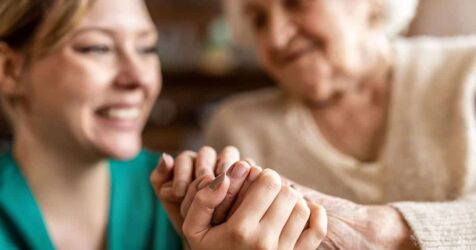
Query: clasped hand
column 220, row 202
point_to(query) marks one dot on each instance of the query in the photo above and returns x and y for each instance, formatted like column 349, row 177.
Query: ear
column 11, row 64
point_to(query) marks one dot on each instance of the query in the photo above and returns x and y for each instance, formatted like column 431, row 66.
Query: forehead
column 124, row 15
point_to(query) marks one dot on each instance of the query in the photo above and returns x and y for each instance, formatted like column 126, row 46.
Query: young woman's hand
column 171, row 179
column 270, row 216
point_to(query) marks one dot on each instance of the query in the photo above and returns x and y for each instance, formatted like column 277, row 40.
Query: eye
column 151, row 50
column 93, row 49
column 258, row 21
column 293, row 4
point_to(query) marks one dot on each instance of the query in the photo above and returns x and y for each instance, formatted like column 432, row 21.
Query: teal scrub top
column 136, row 218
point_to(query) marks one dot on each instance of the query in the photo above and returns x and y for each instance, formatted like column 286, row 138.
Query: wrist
column 390, row 229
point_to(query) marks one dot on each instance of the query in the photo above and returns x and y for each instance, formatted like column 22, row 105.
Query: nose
column 281, row 29
column 129, row 71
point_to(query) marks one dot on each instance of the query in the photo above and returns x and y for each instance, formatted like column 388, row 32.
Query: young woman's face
column 309, row 46
column 95, row 92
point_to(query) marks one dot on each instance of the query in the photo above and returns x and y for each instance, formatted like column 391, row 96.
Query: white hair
column 397, row 15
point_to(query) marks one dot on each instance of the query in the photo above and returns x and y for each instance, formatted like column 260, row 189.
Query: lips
column 290, row 57
column 121, row 116
column 125, row 113
column 291, row 54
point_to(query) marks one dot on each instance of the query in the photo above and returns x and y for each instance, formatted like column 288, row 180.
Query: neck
column 59, row 177
column 72, row 191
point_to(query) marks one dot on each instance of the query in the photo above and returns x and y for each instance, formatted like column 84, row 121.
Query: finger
column 171, row 204
column 295, row 225
column 196, row 185
column 206, row 162
column 252, row 176
column 251, row 162
column 280, row 210
column 183, row 172
column 162, row 173
column 227, row 157
column 198, row 219
column 259, row 197
column 312, row 237
column 237, row 173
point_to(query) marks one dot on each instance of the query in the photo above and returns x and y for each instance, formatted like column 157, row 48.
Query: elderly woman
column 360, row 114
column 77, row 81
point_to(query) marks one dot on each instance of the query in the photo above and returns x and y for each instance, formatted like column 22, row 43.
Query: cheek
column 264, row 58
column 73, row 87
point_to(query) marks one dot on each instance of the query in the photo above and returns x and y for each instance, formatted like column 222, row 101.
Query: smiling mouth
column 292, row 56
column 120, row 113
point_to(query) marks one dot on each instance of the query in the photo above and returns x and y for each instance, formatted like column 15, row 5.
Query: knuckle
column 272, row 186
column 203, row 201
column 271, row 180
column 303, row 212
column 240, row 232
column 265, row 243
column 320, row 231
column 290, row 193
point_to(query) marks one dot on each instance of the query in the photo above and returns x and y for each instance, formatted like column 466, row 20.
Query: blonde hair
column 396, row 16
column 20, row 22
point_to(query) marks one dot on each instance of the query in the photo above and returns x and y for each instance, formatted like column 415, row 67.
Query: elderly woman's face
column 311, row 46
column 97, row 89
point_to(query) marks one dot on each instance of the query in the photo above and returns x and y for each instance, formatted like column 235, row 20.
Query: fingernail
column 255, row 172
column 237, row 171
column 167, row 159
column 203, row 183
column 249, row 161
column 215, row 184
column 181, row 189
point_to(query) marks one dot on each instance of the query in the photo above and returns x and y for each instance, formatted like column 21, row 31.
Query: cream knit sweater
column 428, row 166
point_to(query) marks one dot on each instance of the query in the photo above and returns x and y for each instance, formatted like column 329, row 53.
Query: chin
column 121, row 149
column 317, row 94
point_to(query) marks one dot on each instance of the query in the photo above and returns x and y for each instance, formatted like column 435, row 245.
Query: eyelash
column 149, row 50
column 103, row 49
column 94, row 49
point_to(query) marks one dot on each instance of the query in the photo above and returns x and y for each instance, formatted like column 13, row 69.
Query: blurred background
column 201, row 66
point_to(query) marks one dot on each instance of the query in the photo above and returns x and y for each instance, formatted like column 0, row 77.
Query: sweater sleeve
column 442, row 225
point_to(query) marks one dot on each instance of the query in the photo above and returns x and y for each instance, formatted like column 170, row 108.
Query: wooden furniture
column 186, row 103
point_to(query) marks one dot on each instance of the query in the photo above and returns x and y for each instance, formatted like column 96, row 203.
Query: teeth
column 123, row 113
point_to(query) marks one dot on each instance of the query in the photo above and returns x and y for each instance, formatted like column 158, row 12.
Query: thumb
column 199, row 217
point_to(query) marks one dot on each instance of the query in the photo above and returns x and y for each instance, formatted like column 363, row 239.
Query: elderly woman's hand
column 354, row 226
column 270, row 216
